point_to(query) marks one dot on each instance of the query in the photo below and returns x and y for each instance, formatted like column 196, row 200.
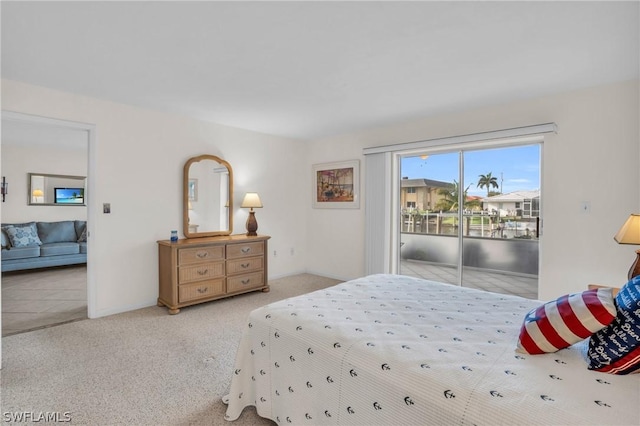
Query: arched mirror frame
column 185, row 198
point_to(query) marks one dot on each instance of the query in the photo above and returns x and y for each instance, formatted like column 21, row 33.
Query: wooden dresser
column 198, row 270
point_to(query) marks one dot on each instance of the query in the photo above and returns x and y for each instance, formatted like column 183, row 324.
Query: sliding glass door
column 472, row 217
column 429, row 241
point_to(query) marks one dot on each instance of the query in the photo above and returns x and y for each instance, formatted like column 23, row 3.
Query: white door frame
column 91, row 205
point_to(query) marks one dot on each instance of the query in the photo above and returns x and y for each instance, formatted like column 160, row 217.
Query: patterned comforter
column 396, row 350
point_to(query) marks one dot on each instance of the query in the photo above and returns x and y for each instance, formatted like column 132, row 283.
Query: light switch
column 106, row 208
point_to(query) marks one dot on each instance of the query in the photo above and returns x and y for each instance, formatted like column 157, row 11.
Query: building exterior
column 421, row 194
column 522, row 204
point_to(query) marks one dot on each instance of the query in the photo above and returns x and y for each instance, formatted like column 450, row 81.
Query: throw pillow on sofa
column 83, row 236
column 23, row 235
column 80, row 226
column 4, row 239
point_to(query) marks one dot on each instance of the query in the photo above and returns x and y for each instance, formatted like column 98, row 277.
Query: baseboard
column 290, row 274
column 323, row 274
column 275, row 277
column 120, row 310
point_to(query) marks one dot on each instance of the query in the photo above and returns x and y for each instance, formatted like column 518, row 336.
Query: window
column 467, row 234
column 411, row 190
column 382, row 187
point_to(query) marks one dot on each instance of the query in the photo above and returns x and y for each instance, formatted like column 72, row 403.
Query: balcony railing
column 476, row 224
column 498, row 244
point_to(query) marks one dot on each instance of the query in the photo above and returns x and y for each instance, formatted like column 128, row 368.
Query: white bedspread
column 395, row 350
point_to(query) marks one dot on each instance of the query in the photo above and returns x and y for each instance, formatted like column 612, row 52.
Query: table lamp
column 37, row 193
column 630, row 234
column 251, row 201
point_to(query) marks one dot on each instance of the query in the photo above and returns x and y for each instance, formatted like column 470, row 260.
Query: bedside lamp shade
column 630, row 234
column 251, row 201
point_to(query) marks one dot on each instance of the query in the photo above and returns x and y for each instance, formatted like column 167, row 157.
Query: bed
column 397, row 350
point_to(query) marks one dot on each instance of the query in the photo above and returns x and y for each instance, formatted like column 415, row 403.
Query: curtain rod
column 474, row 137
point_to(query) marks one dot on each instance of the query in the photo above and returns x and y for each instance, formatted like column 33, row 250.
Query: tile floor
column 504, row 283
column 41, row 298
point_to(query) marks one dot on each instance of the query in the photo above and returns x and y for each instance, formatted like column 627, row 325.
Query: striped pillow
column 567, row 320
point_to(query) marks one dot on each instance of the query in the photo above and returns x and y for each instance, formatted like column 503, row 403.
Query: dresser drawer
column 244, row 282
column 201, row 290
column 241, row 266
column 199, row 255
column 202, row 271
column 235, row 251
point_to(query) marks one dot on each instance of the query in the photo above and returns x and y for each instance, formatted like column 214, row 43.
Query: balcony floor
column 503, row 283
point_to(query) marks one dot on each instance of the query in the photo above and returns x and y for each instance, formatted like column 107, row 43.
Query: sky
column 516, row 168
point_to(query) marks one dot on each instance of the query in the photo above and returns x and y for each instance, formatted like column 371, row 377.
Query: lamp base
column 252, row 224
column 634, row 271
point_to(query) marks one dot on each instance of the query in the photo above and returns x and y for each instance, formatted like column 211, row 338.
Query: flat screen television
column 69, row 195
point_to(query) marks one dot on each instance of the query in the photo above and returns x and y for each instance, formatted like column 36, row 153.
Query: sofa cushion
column 57, row 232
column 21, row 253
column 56, row 249
column 23, row 235
column 4, row 238
column 81, row 226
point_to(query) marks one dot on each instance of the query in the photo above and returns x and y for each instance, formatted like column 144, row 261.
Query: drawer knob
column 245, row 250
column 202, row 254
column 245, row 265
column 246, row 281
column 201, row 272
column 203, row 290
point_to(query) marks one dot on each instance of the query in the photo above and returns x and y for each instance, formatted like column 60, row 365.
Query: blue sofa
column 43, row 244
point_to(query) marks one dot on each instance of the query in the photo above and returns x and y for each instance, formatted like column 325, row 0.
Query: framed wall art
column 336, row 185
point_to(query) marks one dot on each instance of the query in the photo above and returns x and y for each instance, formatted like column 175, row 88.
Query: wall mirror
column 207, row 197
column 56, row 190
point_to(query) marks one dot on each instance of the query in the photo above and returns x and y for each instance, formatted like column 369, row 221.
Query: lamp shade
column 38, row 193
column 630, row 231
column 251, row 201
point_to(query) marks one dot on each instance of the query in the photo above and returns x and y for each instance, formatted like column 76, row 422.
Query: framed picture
column 336, row 185
column 193, row 189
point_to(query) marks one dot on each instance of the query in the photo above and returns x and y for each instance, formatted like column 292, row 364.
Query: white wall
column 139, row 156
column 594, row 157
column 18, row 161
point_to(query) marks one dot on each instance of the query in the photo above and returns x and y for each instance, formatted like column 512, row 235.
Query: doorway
column 40, row 298
column 471, row 217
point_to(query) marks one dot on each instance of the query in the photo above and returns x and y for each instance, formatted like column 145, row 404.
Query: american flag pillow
column 567, row 320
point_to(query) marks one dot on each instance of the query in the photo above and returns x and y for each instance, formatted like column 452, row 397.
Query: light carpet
column 143, row 367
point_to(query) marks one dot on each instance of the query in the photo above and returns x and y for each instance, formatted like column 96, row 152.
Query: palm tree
column 450, row 201
column 487, row 181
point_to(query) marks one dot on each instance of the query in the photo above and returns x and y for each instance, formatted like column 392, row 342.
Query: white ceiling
column 315, row 69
